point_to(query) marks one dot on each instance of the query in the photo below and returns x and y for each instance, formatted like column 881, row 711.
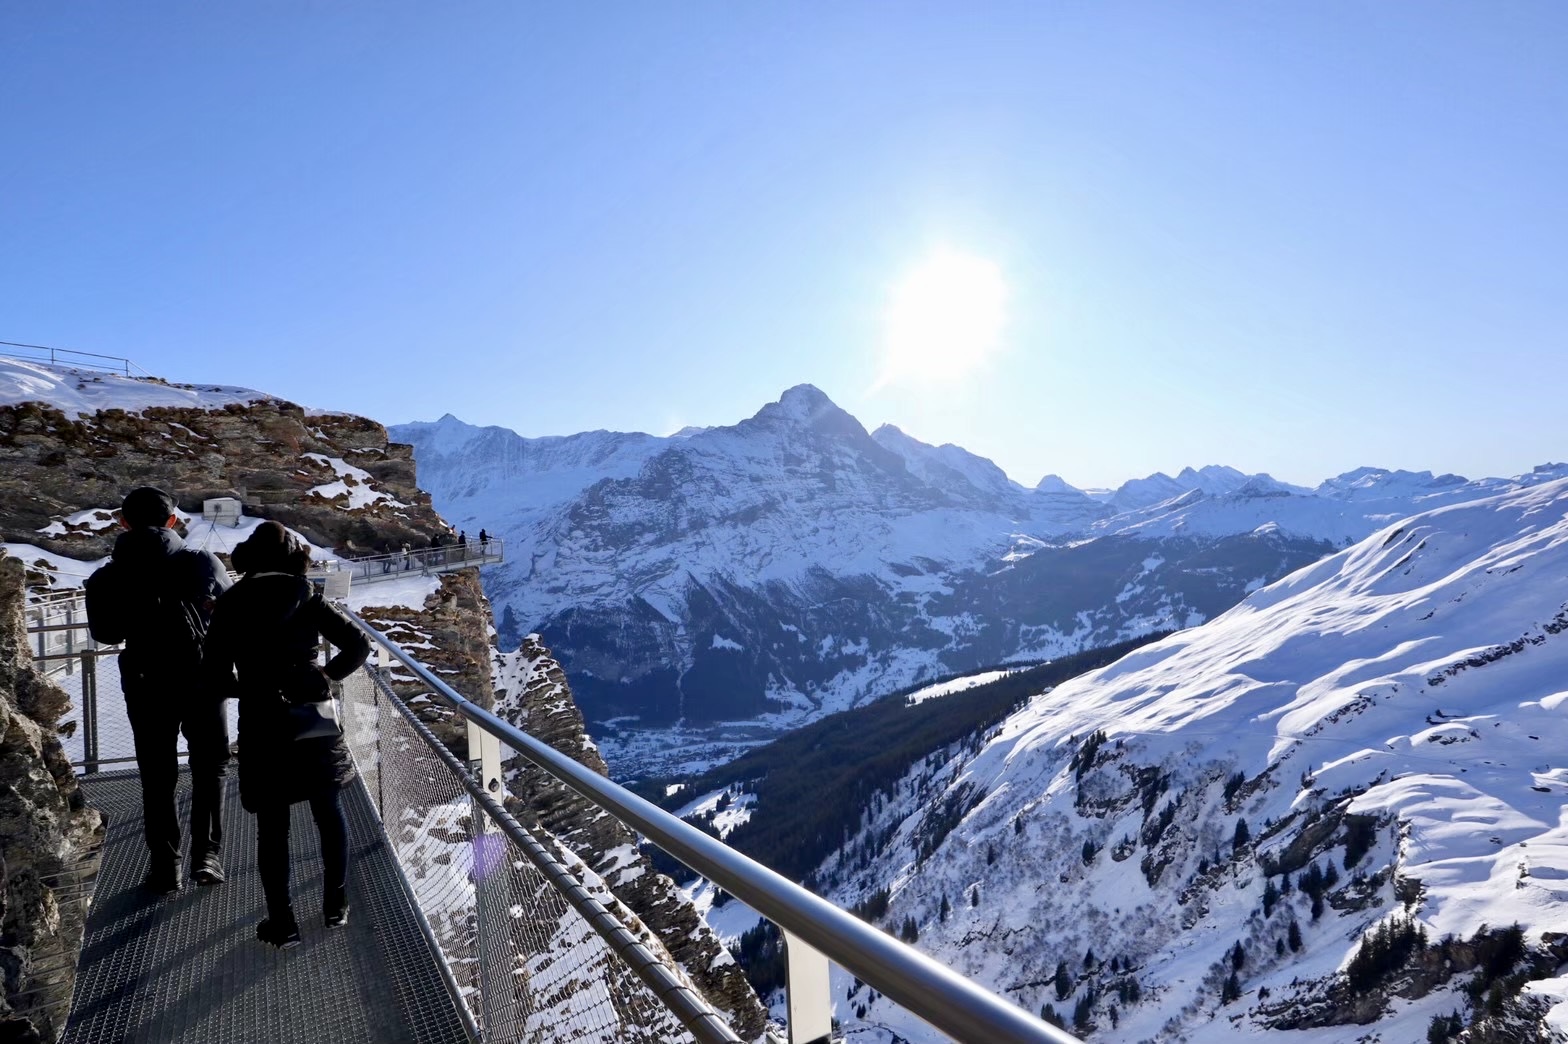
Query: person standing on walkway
column 266, row 629
column 156, row 596
column 484, row 542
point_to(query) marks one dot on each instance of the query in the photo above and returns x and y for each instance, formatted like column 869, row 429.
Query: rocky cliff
column 51, row 838
column 335, row 478
column 532, row 692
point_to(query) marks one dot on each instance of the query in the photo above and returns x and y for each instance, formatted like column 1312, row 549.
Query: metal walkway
column 467, row 924
column 188, row 967
column 425, row 561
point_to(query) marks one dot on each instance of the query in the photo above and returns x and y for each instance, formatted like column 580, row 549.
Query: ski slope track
column 1412, row 688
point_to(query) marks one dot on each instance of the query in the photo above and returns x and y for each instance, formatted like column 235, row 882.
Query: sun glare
column 944, row 318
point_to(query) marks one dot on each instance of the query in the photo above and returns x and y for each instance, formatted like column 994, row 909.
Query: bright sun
column 943, row 319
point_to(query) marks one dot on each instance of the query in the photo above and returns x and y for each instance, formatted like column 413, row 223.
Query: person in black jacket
column 266, row 629
column 156, row 596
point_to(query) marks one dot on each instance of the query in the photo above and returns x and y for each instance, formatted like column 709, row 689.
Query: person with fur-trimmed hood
column 266, row 629
column 156, row 596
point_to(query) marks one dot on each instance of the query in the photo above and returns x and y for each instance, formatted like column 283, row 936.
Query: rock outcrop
column 532, row 692
column 270, row 455
column 52, row 840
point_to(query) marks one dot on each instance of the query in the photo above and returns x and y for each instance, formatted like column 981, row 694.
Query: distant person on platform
column 484, row 542
column 267, row 629
column 156, row 596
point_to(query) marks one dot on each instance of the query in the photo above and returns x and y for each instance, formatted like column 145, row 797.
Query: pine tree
column 1231, row 990
column 1293, row 937
column 1064, row 981
column 974, row 896
column 1243, row 836
column 1081, row 1014
column 947, row 908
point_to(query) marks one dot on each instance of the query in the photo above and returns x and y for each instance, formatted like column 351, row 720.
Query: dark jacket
column 142, row 597
column 267, row 629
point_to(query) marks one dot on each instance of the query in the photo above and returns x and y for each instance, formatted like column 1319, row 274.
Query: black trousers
column 272, row 851
column 158, row 715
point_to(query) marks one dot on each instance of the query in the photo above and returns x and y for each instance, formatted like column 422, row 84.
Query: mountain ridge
column 1390, row 722
column 791, row 564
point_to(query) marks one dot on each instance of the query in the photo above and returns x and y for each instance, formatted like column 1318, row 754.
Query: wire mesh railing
column 531, row 937
column 815, row 931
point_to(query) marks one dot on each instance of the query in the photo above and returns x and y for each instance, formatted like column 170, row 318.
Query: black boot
column 334, row 907
column 207, row 869
column 162, row 878
column 280, row 930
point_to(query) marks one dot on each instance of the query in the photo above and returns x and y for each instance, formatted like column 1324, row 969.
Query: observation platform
column 425, row 561
column 188, row 967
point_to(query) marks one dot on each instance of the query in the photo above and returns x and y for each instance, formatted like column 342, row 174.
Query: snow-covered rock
column 1393, row 717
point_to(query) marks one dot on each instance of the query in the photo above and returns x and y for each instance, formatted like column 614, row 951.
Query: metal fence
column 71, row 357
column 535, row 944
column 422, row 561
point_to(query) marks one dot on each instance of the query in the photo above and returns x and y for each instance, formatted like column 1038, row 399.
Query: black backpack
column 153, row 613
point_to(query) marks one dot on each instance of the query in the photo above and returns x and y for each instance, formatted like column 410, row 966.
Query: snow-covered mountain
column 1275, row 820
column 793, row 564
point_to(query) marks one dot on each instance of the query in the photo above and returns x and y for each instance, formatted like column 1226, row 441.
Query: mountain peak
column 1055, row 484
column 805, row 402
column 806, row 406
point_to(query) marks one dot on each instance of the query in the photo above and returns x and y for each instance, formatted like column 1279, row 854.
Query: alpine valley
column 708, row 590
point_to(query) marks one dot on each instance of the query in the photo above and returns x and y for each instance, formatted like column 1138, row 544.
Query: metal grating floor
column 187, row 967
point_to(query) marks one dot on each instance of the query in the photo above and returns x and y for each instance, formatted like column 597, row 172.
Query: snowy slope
column 83, row 392
column 1413, row 687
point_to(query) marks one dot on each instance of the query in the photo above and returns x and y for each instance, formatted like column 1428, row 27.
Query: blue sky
column 1293, row 238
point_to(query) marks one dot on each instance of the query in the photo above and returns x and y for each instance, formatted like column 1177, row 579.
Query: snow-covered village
column 761, row 526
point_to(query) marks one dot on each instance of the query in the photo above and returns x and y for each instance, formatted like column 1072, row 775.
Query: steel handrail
column 934, row 992
column 491, row 548
column 688, row 1007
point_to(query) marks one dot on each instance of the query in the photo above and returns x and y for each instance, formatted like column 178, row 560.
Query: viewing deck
column 425, row 561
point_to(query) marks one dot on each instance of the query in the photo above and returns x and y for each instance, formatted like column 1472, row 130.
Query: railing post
column 484, row 760
column 70, row 635
column 90, row 710
column 484, row 765
column 810, row 995
column 383, row 662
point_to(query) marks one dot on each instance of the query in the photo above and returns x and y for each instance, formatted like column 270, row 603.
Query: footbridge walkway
column 466, row 924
